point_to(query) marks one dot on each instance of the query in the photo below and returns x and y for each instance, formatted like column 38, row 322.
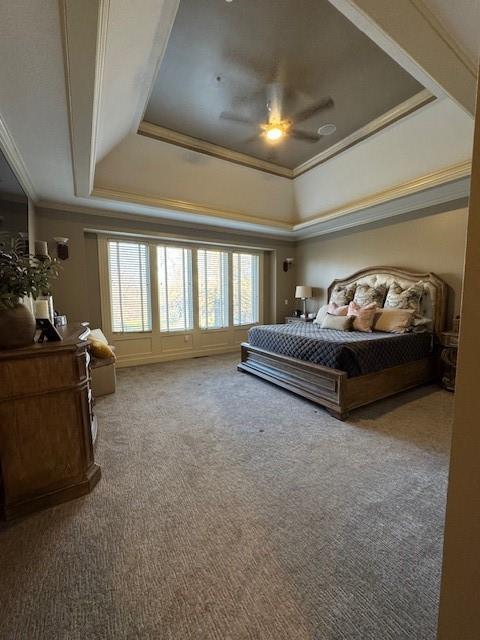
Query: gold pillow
column 340, row 323
column 101, row 350
column 394, row 320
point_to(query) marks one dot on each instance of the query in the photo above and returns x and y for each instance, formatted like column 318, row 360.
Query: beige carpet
column 230, row 509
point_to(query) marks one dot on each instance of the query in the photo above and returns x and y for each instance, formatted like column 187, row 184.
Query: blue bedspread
column 355, row 352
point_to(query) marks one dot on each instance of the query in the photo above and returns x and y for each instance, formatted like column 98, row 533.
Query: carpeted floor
column 230, row 509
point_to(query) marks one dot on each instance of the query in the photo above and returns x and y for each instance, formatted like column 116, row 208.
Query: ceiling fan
column 275, row 127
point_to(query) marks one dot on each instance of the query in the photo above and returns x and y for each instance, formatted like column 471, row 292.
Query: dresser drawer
column 22, row 377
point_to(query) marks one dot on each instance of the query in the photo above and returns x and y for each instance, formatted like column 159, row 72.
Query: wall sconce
column 287, row 263
column 62, row 248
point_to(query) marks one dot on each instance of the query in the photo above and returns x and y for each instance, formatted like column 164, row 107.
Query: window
column 129, row 271
column 246, row 292
column 174, row 266
column 212, row 288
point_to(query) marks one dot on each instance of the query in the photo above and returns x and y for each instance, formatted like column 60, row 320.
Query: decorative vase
column 17, row 327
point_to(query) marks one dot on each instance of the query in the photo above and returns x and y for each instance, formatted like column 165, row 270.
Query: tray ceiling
column 223, row 57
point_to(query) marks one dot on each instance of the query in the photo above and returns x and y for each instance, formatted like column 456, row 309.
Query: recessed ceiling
column 226, row 56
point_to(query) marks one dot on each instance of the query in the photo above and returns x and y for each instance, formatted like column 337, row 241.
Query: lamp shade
column 303, row 292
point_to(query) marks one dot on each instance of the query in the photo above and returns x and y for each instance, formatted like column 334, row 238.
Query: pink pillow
column 364, row 317
column 334, row 310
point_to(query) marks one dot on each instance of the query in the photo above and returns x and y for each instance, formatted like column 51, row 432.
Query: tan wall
column 434, row 243
column 77, row 290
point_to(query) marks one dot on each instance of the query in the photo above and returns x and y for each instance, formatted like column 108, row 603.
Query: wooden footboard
column 332, row 388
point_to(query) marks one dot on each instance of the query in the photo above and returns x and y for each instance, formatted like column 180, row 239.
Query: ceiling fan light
column 274, row 133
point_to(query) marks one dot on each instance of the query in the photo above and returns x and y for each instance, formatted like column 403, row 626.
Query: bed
column 345, row 370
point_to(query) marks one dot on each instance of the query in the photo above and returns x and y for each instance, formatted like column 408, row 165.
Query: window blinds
column 130, row 300
column 212, row 269
column 246, row 291
column 174, row 266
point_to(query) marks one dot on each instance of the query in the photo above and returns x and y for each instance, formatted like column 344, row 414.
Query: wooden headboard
column 434, row 302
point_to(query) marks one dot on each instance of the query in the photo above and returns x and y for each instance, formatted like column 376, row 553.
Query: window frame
column 155, row 334
column 156, row 246
column 108, row 320
column 239, row 252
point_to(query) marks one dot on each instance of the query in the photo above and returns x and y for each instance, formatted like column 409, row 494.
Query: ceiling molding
column 272, row 233
column 448, row 187
column 151, row 130
column 433, row 179
column 101, row 52
column 444, row 197
column 169, row 13
column 84, row 29
column 15, row 160
column 402, row 110
column 419, row 100
column 403, row 31
column 188, row 207
column 446, row 37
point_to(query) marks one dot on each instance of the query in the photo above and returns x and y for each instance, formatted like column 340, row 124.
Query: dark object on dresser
column 333, row 388
column 17, row 327
column 449, row 342
column 46, row 424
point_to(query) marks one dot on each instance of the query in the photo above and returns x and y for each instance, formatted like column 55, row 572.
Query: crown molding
column 441, row 30
column 442, row 198
column 187, row 207
column 419, row 100
column 265, row 232
column 15, row 160
column 447, row 187
column 84, row 49
column 156, row 132
column 405, row 33
column 402, row 110
column 428, row 181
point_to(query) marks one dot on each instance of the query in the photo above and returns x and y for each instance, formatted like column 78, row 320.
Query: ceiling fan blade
column 304, row 135
column 304, row 114
column 234, row 117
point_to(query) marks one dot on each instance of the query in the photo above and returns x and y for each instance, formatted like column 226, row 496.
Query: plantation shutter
column 129, row 272
column 212, row 268
column 246, row 288
column 175, row 288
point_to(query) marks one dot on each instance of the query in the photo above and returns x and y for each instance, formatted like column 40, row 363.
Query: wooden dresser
column 47, row 427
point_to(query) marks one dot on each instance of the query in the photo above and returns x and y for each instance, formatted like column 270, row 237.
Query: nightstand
column 449, row 343
column 291, row 319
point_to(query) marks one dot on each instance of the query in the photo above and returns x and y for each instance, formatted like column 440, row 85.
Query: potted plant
column 21, row 276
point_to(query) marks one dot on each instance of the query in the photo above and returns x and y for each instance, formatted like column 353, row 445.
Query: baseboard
column 142, row 359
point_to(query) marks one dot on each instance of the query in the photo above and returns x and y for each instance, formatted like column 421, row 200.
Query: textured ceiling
column 223, row 56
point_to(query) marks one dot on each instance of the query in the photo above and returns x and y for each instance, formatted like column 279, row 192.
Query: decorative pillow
column 343, row 294
column 363, row 317
column 101, row 350
column 340, row 323
column 394, row 320
column 365, row 294
column 333, row 309
column 410, row 298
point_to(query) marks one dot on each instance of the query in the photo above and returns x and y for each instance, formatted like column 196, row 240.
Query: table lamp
column 304, row 293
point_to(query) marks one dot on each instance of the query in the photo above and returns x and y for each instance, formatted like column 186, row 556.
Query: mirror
column 13, row 210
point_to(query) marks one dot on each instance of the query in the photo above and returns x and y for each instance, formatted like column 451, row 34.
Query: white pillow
column 321, row 315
